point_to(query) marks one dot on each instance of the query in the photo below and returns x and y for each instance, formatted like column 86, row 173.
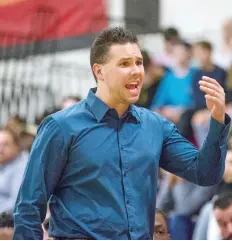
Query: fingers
column 213, row 93
column 212, row 86
column 212, row 81
column 215, row 98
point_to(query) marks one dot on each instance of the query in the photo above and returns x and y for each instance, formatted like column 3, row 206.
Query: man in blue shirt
column 97, row 162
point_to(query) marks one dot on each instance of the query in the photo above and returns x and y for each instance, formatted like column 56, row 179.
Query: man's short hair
column 223, row 201
column 170, row 34
column 162, row 213
column 108, row 37
column 205, row 45
column 6, row 220
column 183, row 43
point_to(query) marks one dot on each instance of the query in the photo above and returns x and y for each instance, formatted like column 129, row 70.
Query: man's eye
column 139, row 62
column 124, row 64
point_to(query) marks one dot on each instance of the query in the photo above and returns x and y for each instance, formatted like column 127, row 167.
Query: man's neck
column 104, row 96
column 208, row 66
column 183, row 66
column 181, row 69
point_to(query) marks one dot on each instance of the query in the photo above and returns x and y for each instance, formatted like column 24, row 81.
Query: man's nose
column 136, row 69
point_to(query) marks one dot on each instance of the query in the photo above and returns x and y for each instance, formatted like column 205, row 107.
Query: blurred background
column 44, row 67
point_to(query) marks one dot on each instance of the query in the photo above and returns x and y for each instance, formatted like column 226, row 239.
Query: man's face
column 203, row 56
column 228, row 168
column 181, row 55
column 168, row 46
column 161, row 231
column 8, row 149
column 123, row 75
column 224, row 219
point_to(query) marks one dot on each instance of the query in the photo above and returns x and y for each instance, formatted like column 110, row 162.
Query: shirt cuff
column 218, row 130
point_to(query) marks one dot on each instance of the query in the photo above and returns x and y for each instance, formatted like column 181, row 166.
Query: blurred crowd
column 16, row 139
column 185, row 210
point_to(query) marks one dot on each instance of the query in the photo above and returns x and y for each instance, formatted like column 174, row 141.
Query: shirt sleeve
column 46, row 163
column 203, row 167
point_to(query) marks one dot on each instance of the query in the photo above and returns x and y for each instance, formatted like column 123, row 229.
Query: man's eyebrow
column 129, row 58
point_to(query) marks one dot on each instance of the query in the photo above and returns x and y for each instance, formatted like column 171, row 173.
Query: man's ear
column 98, row 71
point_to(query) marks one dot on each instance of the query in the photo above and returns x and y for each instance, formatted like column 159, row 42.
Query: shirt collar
column 99, row 108
column 134, row 110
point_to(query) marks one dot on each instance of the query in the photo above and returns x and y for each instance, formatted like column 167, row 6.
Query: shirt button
column 127, row 202
column 122, row 147
column 125, row 174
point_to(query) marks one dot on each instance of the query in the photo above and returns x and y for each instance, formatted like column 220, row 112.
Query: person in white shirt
column 12, row 166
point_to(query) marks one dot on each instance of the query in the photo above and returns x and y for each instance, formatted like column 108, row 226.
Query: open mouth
column 132, row 86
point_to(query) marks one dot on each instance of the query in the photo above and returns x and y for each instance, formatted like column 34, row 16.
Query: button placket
column 125, row 178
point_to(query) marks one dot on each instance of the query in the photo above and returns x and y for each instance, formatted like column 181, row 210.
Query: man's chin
column 132, row 100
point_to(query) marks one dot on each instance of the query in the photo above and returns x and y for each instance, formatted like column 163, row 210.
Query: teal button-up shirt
column 100, row 171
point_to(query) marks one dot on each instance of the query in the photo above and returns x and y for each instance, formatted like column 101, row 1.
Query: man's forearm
column 26, row 226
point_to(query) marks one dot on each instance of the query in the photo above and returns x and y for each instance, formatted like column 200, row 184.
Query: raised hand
column 215, row 98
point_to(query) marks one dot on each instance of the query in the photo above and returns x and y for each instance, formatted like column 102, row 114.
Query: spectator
column 6, row 226
column 153, row 75
column 16, row 123
column 223, row 57
column 200, row 116
column 206, row 226
column 45, row 114
column 6, row 220
column 229, row 142
column 165, row 59
column 174, row 93
column 6, row 233
column 161, row 226
column 12, row 166
column 69, row 101
column 171, row 196
column 203, row 55
column 182, row 200
column 27, row 136
column 222, row 209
